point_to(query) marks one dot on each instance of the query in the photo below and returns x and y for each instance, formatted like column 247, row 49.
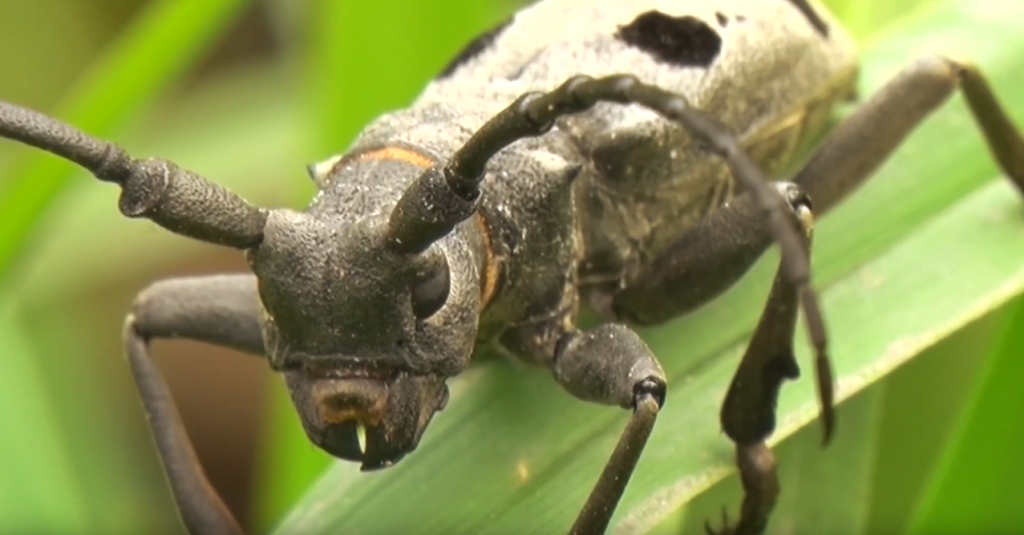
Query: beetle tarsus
column 761, row 490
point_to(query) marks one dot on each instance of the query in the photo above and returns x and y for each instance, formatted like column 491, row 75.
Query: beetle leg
column 702, row 264
column 864, row 140
column 610, row 364
column 219, row 309
column 748, row 413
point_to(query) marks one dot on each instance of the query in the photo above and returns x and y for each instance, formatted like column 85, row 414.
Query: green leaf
column 974, row 487
column 41, row 493
column 513, row 453
column 921, row 402
column 165, row 39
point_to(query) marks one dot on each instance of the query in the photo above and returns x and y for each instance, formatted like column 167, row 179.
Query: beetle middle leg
column 844, row 161
column 700, row 265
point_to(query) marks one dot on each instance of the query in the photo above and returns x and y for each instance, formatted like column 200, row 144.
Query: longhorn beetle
column 616, row 153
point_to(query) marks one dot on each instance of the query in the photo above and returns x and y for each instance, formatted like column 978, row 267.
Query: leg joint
column 796, row 198
column 129, row 329
column 650, row 388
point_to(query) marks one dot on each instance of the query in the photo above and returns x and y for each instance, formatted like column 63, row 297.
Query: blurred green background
column 249, row 91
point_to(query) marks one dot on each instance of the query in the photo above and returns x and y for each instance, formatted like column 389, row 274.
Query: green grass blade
column 360, row 68
column 166, row 38
column 515, row 453
column 974, row 488
column 920, row 403
column 40, row 493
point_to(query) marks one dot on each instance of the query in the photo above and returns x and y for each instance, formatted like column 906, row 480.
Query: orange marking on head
column 362, row 400
column 491, row 268
column 333, row 415
column 397, row 153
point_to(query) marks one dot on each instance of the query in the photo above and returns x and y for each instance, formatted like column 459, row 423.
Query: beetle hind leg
column 862, row 142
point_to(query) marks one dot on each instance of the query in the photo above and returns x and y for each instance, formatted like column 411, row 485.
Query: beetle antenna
column 428, row 211
column 178, row 200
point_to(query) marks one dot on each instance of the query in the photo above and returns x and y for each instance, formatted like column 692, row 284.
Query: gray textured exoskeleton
column 613, row 152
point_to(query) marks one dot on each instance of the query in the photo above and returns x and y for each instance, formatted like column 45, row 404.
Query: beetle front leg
column 223, row 310
column 864, row 140
column 611, row 365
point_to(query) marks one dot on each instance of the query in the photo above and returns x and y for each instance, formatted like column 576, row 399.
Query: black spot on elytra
column 723, row 21
column 685, row 41
column 474, row 48
column 811, row 16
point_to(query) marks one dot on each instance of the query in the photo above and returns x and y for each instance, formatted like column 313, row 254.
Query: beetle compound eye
column 431, row 290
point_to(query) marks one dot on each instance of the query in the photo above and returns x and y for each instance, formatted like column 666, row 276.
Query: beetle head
column 366, row 335
column 365, row 321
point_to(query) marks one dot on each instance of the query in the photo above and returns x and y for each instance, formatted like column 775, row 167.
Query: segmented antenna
column 178, row 200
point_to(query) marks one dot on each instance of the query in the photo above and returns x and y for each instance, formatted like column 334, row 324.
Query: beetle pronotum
column 617, row 156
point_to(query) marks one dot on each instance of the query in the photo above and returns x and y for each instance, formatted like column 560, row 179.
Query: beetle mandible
column 615, row 153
